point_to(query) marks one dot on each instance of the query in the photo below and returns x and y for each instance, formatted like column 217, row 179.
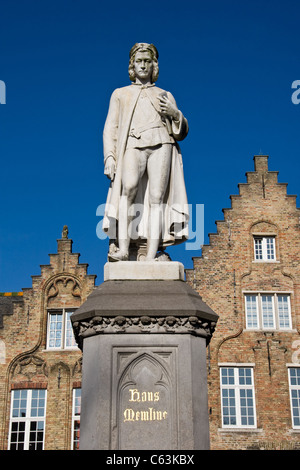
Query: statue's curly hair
column 143, row 47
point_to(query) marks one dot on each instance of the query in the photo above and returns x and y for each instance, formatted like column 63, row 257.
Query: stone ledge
column 143, row 306
column 144, row 270
column 143, row 297
column 240, row 430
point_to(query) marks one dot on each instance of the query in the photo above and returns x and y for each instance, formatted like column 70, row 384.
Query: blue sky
column 230, row 65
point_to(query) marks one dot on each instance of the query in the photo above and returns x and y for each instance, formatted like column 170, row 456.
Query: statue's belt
column 137, row 132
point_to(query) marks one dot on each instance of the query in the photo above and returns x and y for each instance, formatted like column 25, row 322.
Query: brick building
column 40, row 365
column 249, row 275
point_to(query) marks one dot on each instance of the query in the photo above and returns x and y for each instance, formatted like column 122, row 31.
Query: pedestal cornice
column 143, row 307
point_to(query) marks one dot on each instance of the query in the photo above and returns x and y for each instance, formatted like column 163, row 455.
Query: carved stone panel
column 144, row 398
column 28, row 367
column 63, row 289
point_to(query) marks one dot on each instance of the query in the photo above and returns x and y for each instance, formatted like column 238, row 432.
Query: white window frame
column 264, row 248
column 237, row 392
column 27, row 419
column 75, row 416
column 294, row 388
column 275, row 311
column 63, row 343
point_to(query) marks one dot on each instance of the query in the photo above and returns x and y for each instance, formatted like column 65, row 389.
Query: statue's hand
column 110, row 168
column 168, row 108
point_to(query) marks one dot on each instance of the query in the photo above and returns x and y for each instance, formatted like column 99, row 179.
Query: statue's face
column 143, row 66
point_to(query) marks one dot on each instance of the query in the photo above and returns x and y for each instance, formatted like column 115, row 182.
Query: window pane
column 38, row 403
column 267, row 311
column 76, row 435
column 229, row 410
column 270, row 248
column 70, row 340
column 296, row 407
column 17, row 435
column 251, row 311
column 283, row 311
column 245, row 376
column 246, row 406
column 36, row 435
column 19, row 403
column 228, row 376
column 77, row 401
column 76, row 417
column 258, row 248
column 55, row 330
column 294, row 375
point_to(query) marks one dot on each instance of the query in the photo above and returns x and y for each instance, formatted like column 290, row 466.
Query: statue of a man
column 143, row 161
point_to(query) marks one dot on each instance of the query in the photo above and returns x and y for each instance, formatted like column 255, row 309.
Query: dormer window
column 264, row 248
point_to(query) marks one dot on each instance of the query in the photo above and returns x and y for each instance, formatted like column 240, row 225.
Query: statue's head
column 143, row 47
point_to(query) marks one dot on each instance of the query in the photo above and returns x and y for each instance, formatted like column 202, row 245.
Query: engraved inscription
column 135, row 395
column 151, row 414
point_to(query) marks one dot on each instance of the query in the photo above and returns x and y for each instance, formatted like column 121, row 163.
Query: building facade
column 40, row 364
column 249, row 274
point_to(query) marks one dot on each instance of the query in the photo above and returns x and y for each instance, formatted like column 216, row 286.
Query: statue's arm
column 110, row 136
column 180, row 125
column 178, row 122
column 110, row 132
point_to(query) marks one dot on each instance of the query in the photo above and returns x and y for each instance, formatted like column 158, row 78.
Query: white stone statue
column 147, row 202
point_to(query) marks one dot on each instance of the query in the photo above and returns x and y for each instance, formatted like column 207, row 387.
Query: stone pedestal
column 144, row 333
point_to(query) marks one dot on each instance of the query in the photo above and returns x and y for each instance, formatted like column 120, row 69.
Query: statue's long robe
column 115, row 135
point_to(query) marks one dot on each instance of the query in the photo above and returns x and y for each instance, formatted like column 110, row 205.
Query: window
column 76, row 418
column 60, row 332
column 268, row 311
column 294, row 381
column 27, row 420
column 264, row 249
column 237, row 395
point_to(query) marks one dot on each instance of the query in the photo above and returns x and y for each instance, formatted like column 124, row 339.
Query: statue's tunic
column 147, row 128
column 134, row 121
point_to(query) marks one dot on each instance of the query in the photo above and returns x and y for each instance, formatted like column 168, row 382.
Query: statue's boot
column 118, row 256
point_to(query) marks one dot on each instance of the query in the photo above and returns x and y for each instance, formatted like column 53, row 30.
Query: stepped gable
column 227, row 265
column 258, row 207
column 62, row 277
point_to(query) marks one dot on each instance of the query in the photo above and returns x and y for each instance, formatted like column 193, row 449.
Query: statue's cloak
column 115, row 135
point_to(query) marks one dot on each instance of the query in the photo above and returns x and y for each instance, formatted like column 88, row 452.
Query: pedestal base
column 144, row 333
column 144, row 270
column 144, row 392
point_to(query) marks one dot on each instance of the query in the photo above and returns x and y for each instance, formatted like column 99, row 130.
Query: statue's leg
column 159, row 164
column 134, row 165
